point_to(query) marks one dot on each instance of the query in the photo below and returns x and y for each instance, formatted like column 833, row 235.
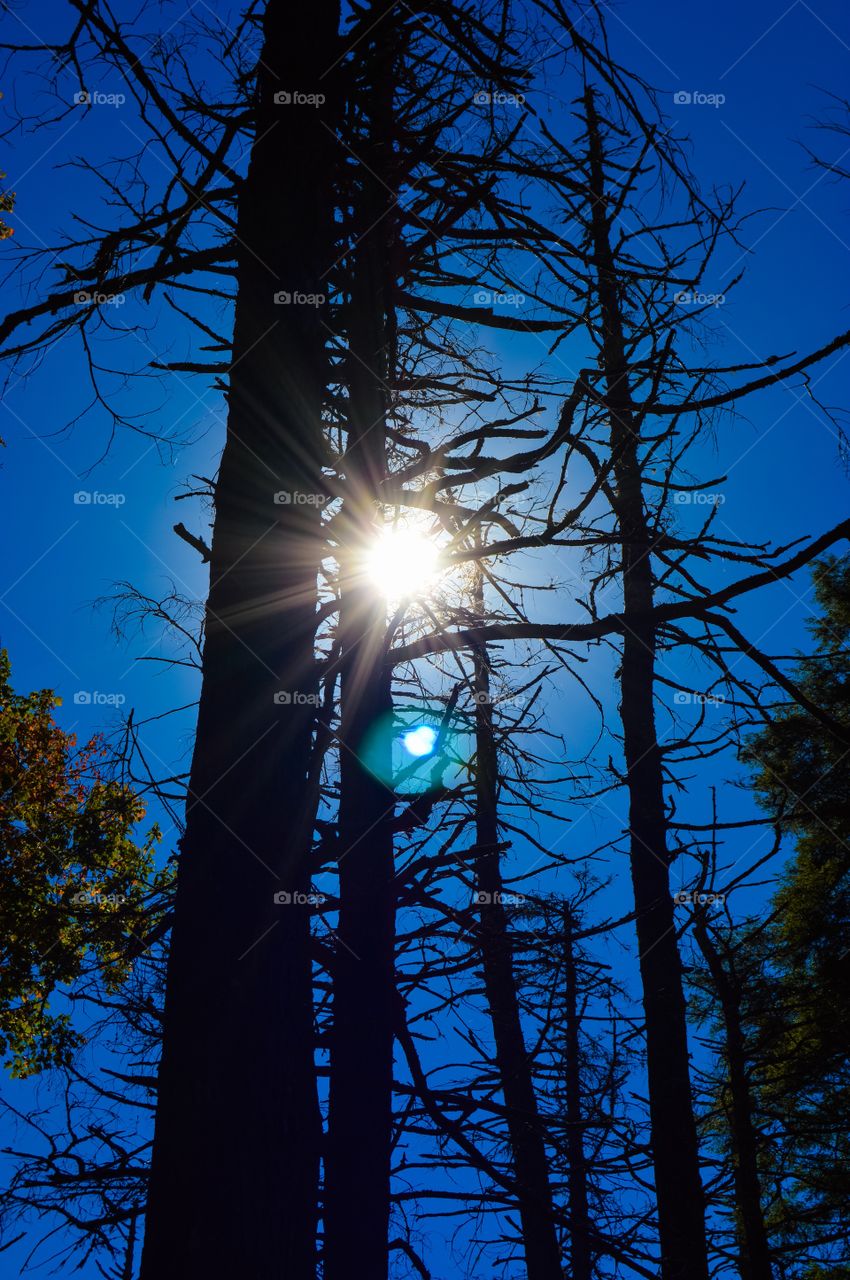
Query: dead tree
column 536, row 1210
column 681, row 1215
column 357, row 1176
column 235, row 1187
column 579, row 1210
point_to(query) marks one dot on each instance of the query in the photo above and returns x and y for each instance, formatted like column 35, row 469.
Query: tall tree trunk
column 357, row 1170
column 536, row 1211
column 236, row 1150
column 580, row 1252
column 678, row 1185
column 754, row 1255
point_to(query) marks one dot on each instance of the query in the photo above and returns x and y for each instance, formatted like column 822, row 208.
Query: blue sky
column 771, row 63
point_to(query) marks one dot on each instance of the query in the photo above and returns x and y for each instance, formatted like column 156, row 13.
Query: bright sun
column 403, row 562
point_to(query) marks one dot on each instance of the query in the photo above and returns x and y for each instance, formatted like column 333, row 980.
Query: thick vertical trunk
column 579, row 1215
column 678, row 1185
column 236, row 1150
column 537, row 1218
column 754, row 1255
column 357, row 1169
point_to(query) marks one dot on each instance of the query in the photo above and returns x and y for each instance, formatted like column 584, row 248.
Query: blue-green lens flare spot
column 420, row 741
column 400, row 748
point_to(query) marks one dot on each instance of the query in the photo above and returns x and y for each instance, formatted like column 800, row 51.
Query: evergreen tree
column 802, row 1037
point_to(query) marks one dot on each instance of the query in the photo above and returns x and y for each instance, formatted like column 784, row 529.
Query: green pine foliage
column 797, row 1006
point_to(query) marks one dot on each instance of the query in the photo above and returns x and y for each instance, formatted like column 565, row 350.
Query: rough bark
column 678, row 1185
column 236, row 1151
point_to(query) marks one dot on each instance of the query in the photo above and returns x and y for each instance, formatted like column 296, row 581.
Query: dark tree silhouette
column 234, row 1184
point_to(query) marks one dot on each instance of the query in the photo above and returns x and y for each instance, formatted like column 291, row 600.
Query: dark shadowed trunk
column 236, row 1152
column 681, row 1213
column 357, row 1171
column 528, row 1150
column 754, row 1257
column 580, row 1254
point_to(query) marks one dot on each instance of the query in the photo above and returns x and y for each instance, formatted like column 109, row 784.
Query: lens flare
column 420, row 741
column 401, row 748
